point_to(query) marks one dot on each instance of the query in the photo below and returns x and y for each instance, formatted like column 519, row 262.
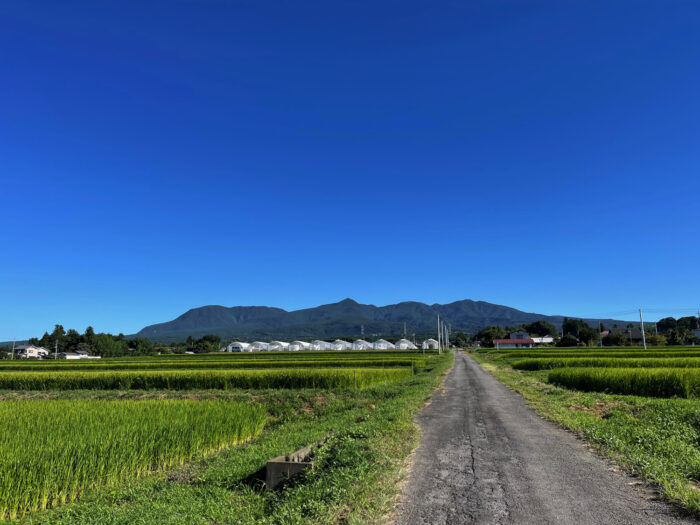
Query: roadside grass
column 656, row 439
column 366, row 438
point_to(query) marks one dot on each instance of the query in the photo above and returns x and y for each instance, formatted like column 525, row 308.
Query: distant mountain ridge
column 346, row 318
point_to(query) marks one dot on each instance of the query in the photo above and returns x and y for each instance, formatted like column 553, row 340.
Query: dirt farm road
column 486, row 457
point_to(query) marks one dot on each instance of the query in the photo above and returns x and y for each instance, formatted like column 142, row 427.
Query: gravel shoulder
column 486, row 457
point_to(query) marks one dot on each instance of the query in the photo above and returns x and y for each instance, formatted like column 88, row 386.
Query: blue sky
column 158, row 156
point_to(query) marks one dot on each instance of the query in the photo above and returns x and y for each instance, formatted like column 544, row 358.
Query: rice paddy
column 75, row 439
column 201, row 379
column 665, row 372
column 52, row 450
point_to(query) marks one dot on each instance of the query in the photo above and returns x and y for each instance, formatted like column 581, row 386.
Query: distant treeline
column 576, row 332
column 108, row 345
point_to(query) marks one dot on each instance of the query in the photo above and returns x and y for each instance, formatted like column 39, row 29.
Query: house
column 383, row 344
column 361, row 344
column 696, row 333
column 296, row 346
column 405, row 344
column 278, row 346
column 516, row 340
column 258, row 346
column 31, row 352
column 430, row 344
column 339, row 344
column 320, row 345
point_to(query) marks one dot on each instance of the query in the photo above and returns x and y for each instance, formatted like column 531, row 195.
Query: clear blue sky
column 158, row 156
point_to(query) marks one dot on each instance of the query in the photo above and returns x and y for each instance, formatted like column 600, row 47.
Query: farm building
column 383, row 344
column 31, row 352
column 278, row 346
column 296, row 346
column 339, row 344
column 320, row 345
column 237, row 346
column 405, row 344
column 259, row 346
column 516, row 340
column 361, row 344
column 546, row 340
column 430, row 344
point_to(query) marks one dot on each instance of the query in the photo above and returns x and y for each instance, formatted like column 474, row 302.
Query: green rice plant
column 213, row 364
column 53, row 450
column 201, row 379
column 606, row 362
column 652, row 382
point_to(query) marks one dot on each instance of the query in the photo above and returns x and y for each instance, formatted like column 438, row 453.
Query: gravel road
column 486, row 457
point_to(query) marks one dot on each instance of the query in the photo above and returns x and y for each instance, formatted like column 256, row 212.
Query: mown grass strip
column 52, row 450
column 651, row 382
column 201, row 379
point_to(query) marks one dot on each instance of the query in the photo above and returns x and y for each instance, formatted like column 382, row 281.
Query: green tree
column 89, row 335
column 617, row 339
column 71, row 340
column 568, row 340
column 488, row 334
column 666, row 324
column 461, row 340
column 688, row 323
column 541, row 329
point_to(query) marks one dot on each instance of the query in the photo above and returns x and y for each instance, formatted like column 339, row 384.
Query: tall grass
column 652, row 382
column 52, row 450
column 200, row 379
column 606, row 362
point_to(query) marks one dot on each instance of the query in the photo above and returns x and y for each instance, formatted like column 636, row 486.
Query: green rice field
column 112, row 440
column 51, row 451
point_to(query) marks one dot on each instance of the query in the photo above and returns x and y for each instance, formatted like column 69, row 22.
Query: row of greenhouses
column 338, row 345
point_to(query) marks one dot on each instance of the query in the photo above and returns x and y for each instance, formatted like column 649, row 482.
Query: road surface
column 486, row 457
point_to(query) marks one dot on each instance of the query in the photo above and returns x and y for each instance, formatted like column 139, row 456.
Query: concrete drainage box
column 283, row 468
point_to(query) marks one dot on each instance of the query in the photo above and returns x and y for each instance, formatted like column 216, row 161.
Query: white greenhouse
column 430, row 344
column 361, row 344
column 339, row 344
column 259, row 346
column 405, row 344
column 278, row 346
column 320, row 345
column 383, row 344
column 296, row 346
column 237, row 346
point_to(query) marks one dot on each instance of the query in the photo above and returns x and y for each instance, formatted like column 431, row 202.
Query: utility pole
column 644, row 337
column 13, row 351
column 600, row 335
column 55, row 352
column 439, row 338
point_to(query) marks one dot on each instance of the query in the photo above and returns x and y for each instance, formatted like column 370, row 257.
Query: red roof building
column 513, row 343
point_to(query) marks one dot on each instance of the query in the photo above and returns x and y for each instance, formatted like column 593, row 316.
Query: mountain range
column 347, row 319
